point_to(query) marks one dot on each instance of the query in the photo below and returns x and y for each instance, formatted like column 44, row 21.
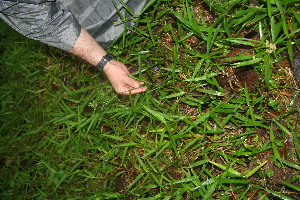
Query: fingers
column 133, row 83
column 137, row 90
column 131, row 86
column 133, row 91
column 118, row 75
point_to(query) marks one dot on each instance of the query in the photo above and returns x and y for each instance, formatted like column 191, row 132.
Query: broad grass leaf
column 233, row 181
column 128, row 144
column 240, row 41
column 239, row 57
column 290, row 164
column 212, row 92
column 210, row 191
column 256, row 19
column 201, row 78
column 277, row 194
column 275, row 29
column 230, row 170
column 249, row 62
column 242, row 153
column 253, row 171
column 178, row 94
column 285, row 130
column 291, row 185
column 184, row 180
column 274, row 147
column 156, row 114
column 201, row 162
column 113, row 137
column 193, row 25
column 148, row 5
column 136, row 180
column 202, row 118
column 65, row 119
column 297, row 16
column 296, row 141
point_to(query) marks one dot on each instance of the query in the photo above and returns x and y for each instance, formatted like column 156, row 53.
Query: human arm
column 59, row 28
column 88, row 49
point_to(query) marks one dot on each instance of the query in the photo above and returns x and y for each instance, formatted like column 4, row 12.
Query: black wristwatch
column 105, row 59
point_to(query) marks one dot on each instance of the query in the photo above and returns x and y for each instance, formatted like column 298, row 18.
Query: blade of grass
column 230, row 170
column 253, row 171
column 297, row 188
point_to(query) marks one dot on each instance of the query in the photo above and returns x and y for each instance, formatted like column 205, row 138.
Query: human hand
column 118, row 75
column 88, row 49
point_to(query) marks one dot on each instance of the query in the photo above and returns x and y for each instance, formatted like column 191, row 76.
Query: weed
column 219, row 120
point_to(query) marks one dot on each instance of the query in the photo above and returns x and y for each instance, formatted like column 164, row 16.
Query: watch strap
column 105, row 59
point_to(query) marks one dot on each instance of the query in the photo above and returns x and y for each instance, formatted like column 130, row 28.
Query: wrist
column 104, row 61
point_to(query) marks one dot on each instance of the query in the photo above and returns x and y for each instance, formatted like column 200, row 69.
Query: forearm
column 87, row 48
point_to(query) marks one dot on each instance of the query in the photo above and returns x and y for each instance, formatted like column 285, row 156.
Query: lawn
column 220, row 118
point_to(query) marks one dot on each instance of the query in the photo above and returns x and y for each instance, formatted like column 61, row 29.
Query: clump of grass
column 200, row 131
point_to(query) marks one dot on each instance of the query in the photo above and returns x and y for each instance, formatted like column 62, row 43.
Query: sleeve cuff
column 43, row 22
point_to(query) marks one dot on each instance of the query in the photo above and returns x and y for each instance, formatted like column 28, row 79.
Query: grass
column 219, row 120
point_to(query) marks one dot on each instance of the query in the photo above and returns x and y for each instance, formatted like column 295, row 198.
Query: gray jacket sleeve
column 43, row 22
